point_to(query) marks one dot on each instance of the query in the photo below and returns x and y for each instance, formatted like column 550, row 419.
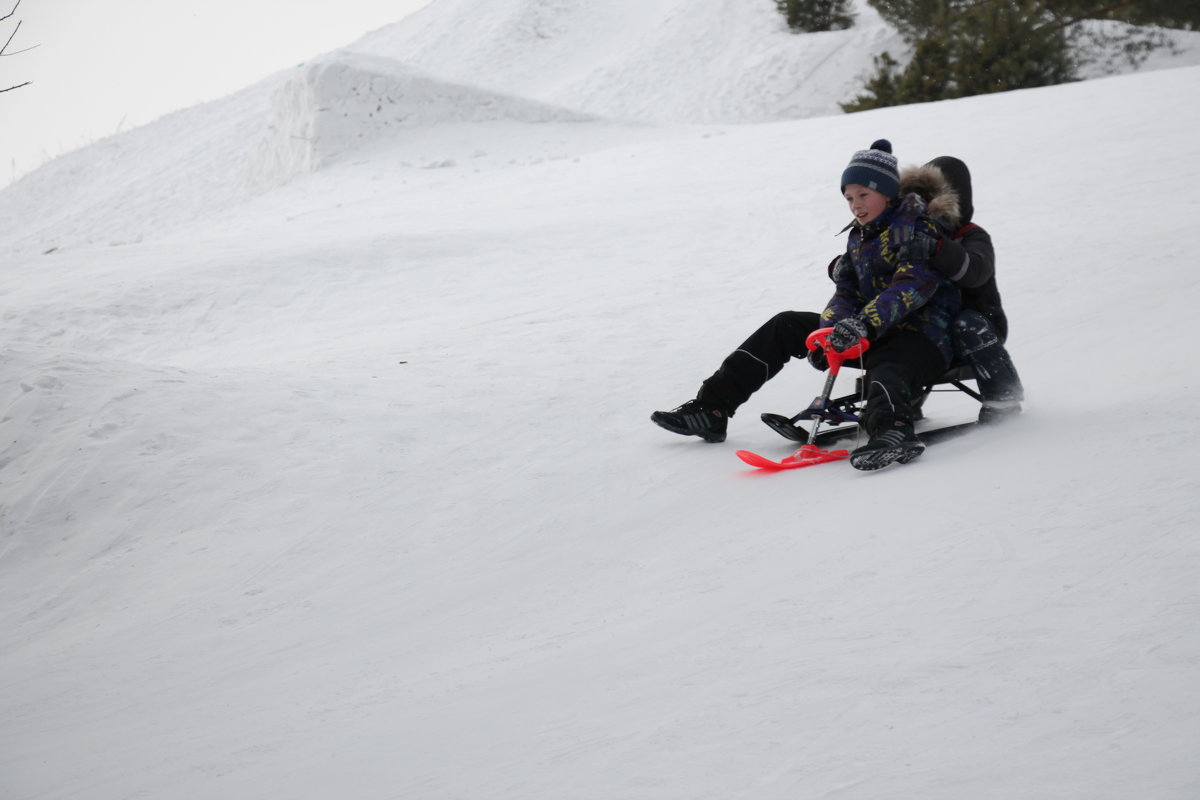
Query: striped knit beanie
column 876, row 169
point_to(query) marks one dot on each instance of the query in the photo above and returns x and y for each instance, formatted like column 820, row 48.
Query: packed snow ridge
column 339, row 103
column 657, row 62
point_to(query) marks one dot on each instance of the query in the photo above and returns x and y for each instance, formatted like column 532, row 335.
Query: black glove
column 922, row 246
column 848, row 332
column 951, row 259
column 840, row 269
column 817, row 359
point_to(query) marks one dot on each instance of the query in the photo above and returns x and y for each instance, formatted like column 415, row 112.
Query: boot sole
column 878, row 459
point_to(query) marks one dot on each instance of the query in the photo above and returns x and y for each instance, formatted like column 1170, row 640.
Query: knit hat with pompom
column 876, row 169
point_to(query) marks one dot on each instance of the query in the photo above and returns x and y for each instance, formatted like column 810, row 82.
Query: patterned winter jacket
column 877, row 278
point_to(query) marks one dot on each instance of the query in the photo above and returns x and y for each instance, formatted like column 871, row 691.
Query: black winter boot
column 996, row 411
column 694, row 418
column 894, row 441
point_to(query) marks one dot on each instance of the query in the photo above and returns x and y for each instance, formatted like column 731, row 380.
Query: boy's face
column 865, row 204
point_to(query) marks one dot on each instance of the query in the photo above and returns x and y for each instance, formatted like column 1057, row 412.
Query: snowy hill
column 657, row 60
column 422, row 87
column 335, row 478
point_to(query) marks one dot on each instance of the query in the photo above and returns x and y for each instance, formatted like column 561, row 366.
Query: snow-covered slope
column 141, row 182
column 656, row 60
column 346, row 486
column 421, row 85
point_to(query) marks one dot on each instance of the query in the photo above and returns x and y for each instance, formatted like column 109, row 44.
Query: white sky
column 102, row 66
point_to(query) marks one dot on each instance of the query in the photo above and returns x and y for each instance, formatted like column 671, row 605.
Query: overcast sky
column 101, row 66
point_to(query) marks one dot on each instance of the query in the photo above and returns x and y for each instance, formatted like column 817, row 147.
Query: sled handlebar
column 820, row 338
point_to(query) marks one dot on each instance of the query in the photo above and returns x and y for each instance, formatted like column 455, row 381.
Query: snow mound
column 129, row 186
column 661, row 61
column 339, row 103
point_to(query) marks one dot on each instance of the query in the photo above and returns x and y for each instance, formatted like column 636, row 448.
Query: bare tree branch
column 9, row 14
column 4, row 49
column 8, row 41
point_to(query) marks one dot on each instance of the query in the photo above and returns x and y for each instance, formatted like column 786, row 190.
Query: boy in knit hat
column 884, row 293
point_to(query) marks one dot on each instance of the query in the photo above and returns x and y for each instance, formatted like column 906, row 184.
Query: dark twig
column 8, row 41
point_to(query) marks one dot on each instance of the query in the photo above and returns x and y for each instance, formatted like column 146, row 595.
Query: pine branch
column 1066, row 20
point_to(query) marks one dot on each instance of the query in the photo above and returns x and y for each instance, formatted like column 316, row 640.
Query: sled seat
column 955, row 375
column 952, row 380
column 958, row 371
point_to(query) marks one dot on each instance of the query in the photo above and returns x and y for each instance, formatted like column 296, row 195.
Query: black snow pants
column 977, row 343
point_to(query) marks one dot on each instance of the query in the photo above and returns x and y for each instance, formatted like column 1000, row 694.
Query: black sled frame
column 842, row 413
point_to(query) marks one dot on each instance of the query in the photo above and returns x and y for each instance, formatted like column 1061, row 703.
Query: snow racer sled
column 843, row 413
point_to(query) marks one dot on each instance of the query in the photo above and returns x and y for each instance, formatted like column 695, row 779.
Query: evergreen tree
column 809, row 16
column 969, row 47
column 882, row 89
column 1006, row 46
column 1180, row 14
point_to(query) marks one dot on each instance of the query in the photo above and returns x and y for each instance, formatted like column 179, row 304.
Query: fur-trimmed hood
column 945, row 186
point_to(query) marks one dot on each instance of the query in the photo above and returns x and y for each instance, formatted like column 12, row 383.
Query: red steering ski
column 810, row 454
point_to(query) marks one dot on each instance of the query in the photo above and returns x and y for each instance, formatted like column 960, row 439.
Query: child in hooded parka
column 963, row 252
column 886, row 292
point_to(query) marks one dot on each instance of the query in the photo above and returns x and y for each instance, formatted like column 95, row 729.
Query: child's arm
column 969, row 260
column 846, row 300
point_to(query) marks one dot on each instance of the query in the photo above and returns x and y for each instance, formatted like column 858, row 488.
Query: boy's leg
column 976, row 342
column 897, row 368
column 743, row 372
column 758, row 359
